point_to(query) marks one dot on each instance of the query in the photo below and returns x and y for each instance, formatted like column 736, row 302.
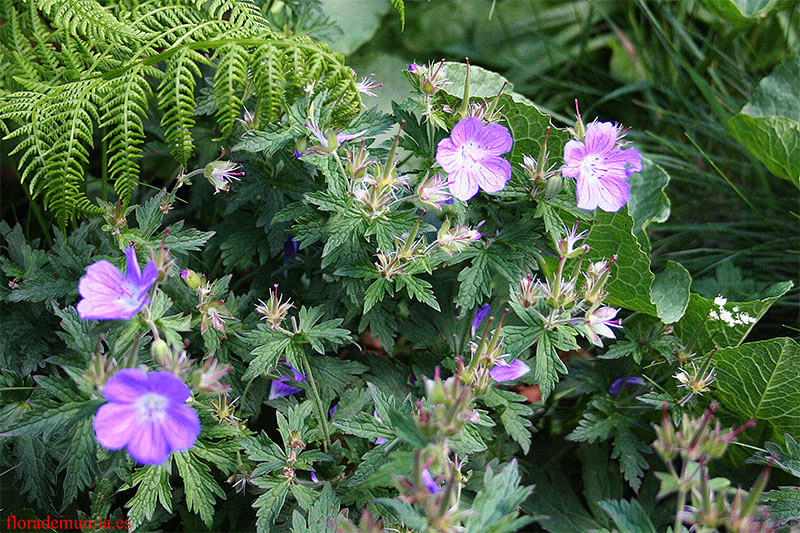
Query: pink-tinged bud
column 207, row 378
column 213, row 314
column 435, row 192
column 456, row 239
column 191, row 278
column 221, row 173
column 413, row 68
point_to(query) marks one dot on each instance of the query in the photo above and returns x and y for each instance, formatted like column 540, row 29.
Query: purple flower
column 471, row 156
column 147, row 414
column 332, row 410
column 108, row 295
column 601, row 166
column 480, row 315
column 621, row 383
column 290, row 248
column 314, row 477
column 413, row 68
column 429, row 482
column 501, row 372
column 279, row 389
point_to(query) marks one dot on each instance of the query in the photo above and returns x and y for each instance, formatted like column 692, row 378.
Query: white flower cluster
column 733, row 317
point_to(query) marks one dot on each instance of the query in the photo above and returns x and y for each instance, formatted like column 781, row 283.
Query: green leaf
column 628, row 515
column 761, row 380
column 153, row 483
column 784, row 504
column 788, row 461
column 496, row 506
column 358, row 20
column 323, row 512
column 418, row 289
column 482, row 83
column 548, row 365
column 648, row 202
column 702, row 332
column 199, row 485
column 670, row 292
column 269, row 504
column 742, row 13
column 365, row 426
column 555, row 499
column 631, row 279
column 515, row 423
column 769, row 125
column 528, row 127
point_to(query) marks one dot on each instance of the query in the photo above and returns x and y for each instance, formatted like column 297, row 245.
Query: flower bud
column 191, row 278
column 160, row 351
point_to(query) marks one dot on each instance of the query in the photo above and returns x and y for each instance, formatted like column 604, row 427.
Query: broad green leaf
column 702, row 332
column 670, row 292
column 631, row 279
column 761, row 380
column 200, row 486
column 323, row 511
column 555, row 499
column 528, row 127
column 769, row 125
column 269, row 504
column 648, row 202
column 153, row 483
column 358, row 21
column 745, row 12
column 482, row 83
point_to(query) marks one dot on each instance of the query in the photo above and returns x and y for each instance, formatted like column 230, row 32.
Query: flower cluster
column 732, row 318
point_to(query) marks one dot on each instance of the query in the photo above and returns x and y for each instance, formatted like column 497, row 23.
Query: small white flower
column 720, row 300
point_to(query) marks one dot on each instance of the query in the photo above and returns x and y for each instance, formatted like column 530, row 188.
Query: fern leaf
column 176, row 100
column 400, row 6
column 229, row 82
column 124, row 106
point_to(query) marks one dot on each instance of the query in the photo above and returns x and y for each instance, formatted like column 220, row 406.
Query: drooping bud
column 207, row 378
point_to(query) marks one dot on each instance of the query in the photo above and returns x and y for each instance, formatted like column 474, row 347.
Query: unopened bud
column 191, row 278
column 160, row 351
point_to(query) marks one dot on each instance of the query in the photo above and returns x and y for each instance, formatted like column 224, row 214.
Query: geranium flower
column 108, row 295
column 471, row 156
column 220, row 174
column 501, row 372
column 429, row 482
column 623, row 382
column 279, row 388
column 480, row 315
column 146, row 414
column 601, row 166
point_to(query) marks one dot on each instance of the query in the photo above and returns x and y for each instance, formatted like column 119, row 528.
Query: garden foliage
column 448, row 313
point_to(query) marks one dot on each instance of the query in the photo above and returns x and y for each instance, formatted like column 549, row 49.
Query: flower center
column 152, row 406
column 469, row 151
column 589, row 165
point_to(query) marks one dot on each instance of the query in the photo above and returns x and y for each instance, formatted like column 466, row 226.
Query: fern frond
column 229, row 83
column 176, row 99
column 123, row 108
column 77, row 66
column 239, row 12
column 400, row 6
column 87, row 18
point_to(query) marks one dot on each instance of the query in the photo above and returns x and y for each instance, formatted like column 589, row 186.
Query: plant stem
column 323, row 422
